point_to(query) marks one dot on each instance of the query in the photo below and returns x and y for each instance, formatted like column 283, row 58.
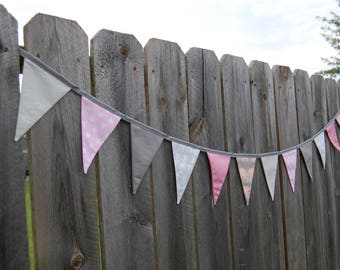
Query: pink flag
column 331, row 132
column 219, row 165
column 289, row 159
column 96, row 125
column 246, row 166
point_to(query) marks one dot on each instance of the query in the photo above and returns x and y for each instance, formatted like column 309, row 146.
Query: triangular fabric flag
column 246, row 168
column 269, row 164
column 331, row 132
column 144, row 146
column 306, row 151
column 40, row 91
column 219, row 165
column 289, row 159
column 184, row 159
column 320, row 145
column 96, row 125
column 338, row 119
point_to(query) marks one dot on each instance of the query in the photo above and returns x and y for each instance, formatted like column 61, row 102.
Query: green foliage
column 331, row 33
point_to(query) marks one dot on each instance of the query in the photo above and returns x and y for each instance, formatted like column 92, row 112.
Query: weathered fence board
column 269, row 234
column 312, row 195
column 240, row 138
column 322, row 182
column 64, row 198
column 333, row 170
column 13, row 233
column 292, row 204
column 167, row 99
column 126, row 219
column 206, row 128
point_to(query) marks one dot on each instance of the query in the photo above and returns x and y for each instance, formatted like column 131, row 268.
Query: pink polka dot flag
column 96, row 126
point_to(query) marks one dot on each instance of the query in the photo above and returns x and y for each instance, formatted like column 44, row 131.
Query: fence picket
column 13, row 232
column 269, row 234
column 167, row 100
column 239, row 138
column 64, row 198
column 206, row 128
column 126, row 219
column 292, row 204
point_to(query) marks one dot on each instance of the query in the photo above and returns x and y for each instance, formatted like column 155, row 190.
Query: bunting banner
column 290, row 163
column 144, row 146
column 331, row 132
column 307, row 155
column 269, row 164
column 246, row 167
column 96, row 126
column 219, row 165
column 43, row 87
column 321, row 146
column 40, row 91
column 184, row 160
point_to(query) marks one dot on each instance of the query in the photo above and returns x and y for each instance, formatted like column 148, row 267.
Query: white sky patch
column 277, row 32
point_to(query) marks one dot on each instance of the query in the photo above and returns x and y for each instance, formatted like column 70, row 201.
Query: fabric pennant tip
column 184, row 160
column 40, row 91
column 246, row 167
column 144, row 146
column 96, row 125
column 219, row 165
column 290, row 164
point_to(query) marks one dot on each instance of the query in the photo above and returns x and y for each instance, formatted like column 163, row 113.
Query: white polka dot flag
column 96, row 126
column 289, row 159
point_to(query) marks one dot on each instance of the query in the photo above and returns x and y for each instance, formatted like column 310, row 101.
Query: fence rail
column 94, row 221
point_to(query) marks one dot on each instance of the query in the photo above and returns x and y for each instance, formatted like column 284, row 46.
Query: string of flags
column 42, row 88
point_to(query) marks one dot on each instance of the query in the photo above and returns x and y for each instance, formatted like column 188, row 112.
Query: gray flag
column 144, row 146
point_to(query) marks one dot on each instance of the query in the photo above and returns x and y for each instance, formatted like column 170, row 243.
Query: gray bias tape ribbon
column 144, row 146
column 184, row 160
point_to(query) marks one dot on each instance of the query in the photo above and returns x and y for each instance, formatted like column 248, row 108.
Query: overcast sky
column 277, row 32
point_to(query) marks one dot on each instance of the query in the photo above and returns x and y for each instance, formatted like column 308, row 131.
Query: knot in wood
column 77, row 259
column 3, row 48
column 264, row 94
column 162, row 102
column 124, row 51
column 284, row 72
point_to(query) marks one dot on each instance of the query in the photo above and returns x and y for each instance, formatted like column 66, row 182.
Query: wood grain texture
column 312, row 189
column 126, row 219
column 167, row 100
column 206, row 128
column 13, row 232
column 333, row 169
column 323, row 179
column 64, row 198
column 269, row 234
column 238, row 119
column 292, row 203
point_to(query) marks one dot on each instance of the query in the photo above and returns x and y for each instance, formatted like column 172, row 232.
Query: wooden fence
column 93, row 221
